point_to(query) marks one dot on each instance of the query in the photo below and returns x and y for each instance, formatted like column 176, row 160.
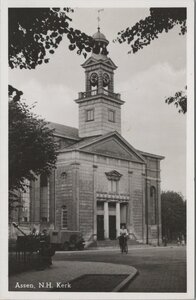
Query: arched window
column 64, row 219
column 153, row 206
column 43, row 180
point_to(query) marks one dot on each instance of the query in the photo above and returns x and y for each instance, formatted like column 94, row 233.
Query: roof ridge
column 61, row 124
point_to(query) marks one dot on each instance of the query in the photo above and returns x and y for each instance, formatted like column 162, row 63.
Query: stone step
column 115, row 243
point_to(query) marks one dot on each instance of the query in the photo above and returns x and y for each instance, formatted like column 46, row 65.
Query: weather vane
column 98, row 18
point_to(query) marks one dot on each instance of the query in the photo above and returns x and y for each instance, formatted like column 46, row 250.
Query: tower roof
column 100, row 46
column 100, row 37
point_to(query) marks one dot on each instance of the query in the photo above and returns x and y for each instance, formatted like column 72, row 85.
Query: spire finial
column 99, row 19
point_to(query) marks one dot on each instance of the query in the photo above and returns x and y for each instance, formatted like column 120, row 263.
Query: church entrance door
column 112, row 227
column 100, row 227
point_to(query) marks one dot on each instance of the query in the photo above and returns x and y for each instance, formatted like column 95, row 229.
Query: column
column 158, row 195
column 117, row 219
column 95, row 201
column 148, row 227
column 144, row 223
column 100, row 82
column 52, row 198
column 130, row 203
column 37, row 201
column 32, row 201
column 106, row 221
column 111, row 84
column 75, row 202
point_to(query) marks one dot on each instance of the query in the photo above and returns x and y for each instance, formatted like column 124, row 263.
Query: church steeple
column 99, row 106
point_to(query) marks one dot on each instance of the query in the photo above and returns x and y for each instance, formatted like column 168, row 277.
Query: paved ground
column 161, row 269
column 61, row 273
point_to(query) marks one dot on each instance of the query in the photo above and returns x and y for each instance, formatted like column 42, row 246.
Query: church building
column 101, row 181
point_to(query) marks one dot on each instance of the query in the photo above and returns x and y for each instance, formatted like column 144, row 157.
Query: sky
column 144, row 80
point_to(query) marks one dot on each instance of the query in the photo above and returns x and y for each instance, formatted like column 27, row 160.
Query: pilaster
column 159, row 213
column 144, row 231
column 75, row 181
column 95, row 201
column 130, row 204
column 52, row 197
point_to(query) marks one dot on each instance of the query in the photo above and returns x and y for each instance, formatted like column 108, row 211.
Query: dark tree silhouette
column 173, row 215
column 35, row 33
column 145, row 31
column 179, row 100
column 32, row 149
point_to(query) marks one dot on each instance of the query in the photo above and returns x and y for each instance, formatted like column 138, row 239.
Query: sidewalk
column 116, row 248
column 59, row 276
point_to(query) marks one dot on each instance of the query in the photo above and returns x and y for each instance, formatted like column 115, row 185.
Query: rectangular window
column 111, row 115
column 114, row 186
column 64, row 222
column 89, row 115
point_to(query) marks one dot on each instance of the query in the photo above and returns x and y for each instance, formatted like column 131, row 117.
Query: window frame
column 113, row 119
column 153, row 206
column 64, row 210
column 114, row 186
column 90, row 118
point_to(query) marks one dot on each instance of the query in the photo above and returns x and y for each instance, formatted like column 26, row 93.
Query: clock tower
column 99, row 106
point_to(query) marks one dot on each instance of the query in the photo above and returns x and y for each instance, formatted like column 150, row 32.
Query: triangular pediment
column 92, row 61
column 110, row 63
column 113, row 175
column 113, row 146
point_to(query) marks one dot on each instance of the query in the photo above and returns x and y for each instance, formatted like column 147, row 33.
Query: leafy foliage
column 144, row 31
column 35, row 33
column 179, row 100
column 173, row 214
column 14, row 201
column 32, row 150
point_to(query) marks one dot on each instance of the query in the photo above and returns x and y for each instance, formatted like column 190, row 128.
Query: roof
column 64, row 131
column 151, row 155
column 82, row 143
column 100, row 37
column 91, row 140
column 73, row 133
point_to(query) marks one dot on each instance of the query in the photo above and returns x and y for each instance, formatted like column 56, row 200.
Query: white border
column 4, row 294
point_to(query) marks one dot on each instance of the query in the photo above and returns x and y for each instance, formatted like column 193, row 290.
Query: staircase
column 111, row 244
column 92, row 243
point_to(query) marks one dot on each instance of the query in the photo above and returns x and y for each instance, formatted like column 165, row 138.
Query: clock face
column 94, row 79
column 106, row 79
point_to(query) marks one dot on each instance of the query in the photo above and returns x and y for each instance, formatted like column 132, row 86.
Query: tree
column 35, row 33
column 179, row 100
column 32, row 149
column 173, row 214
column 145, row 31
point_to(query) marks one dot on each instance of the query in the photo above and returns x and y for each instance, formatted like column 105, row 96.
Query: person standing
column 123, row 238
